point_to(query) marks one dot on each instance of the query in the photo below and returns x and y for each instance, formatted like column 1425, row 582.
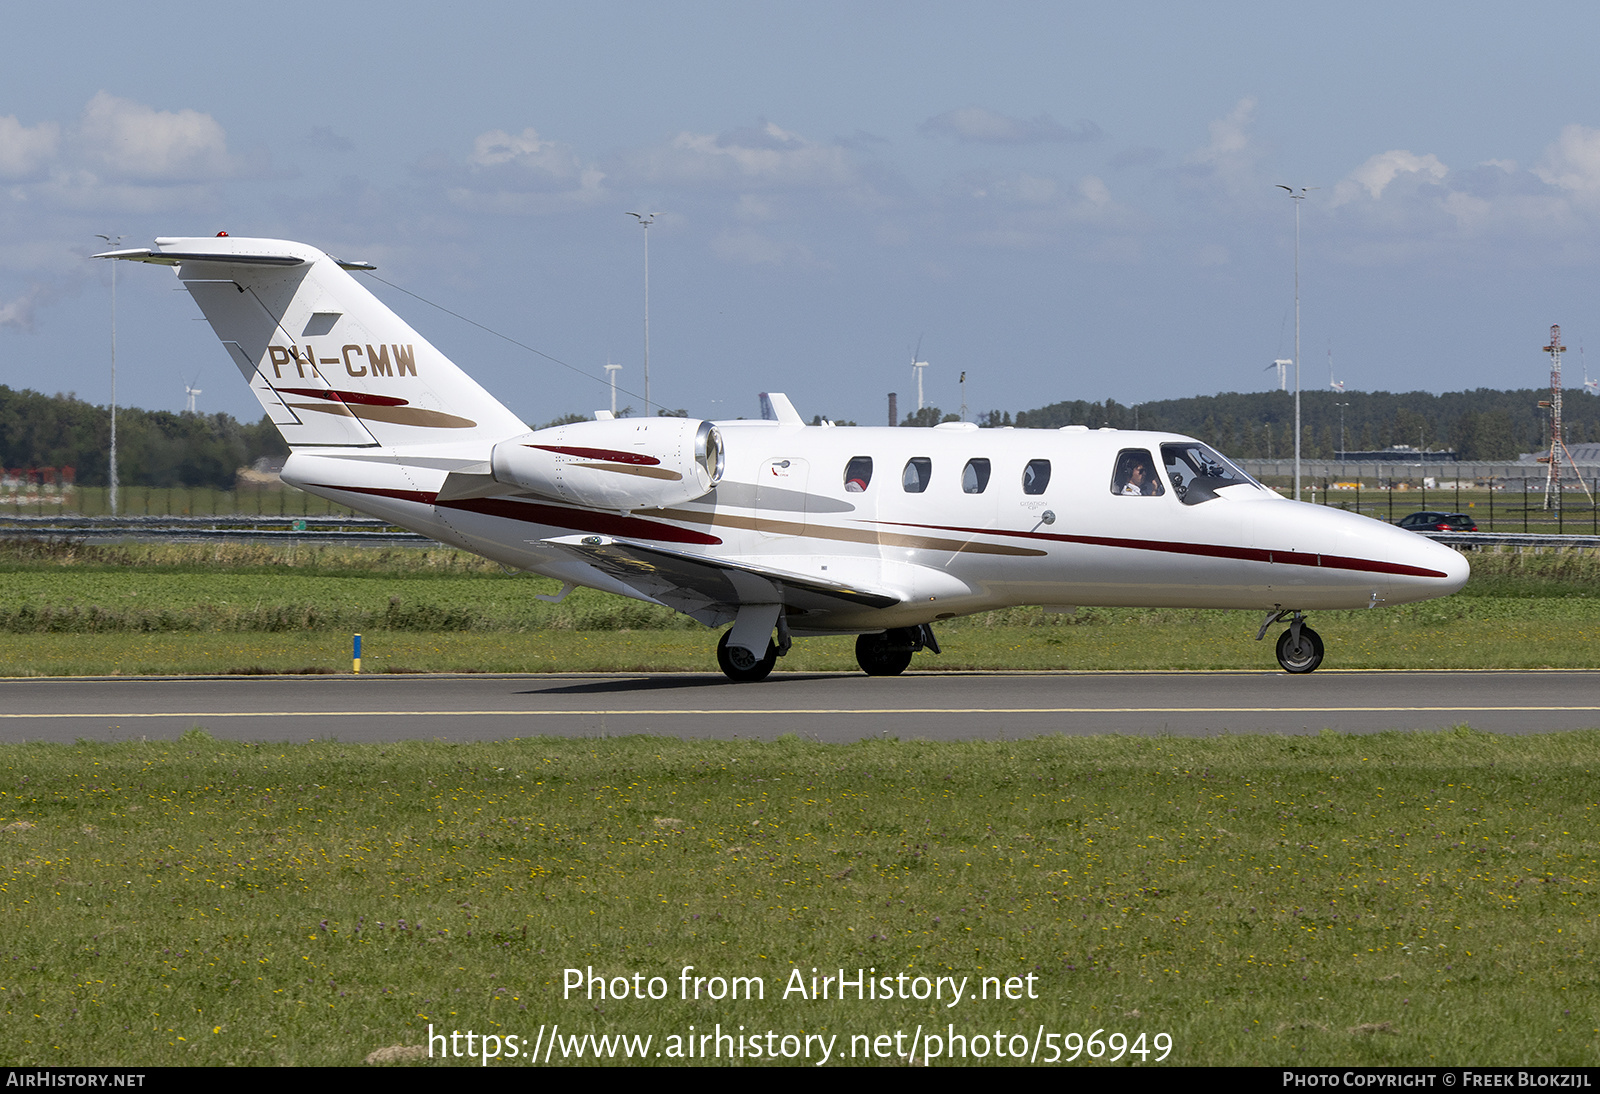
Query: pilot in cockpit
column 1135, row 476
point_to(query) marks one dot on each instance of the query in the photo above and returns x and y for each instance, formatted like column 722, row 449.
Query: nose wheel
column 1302, row 653
column 1299, row 647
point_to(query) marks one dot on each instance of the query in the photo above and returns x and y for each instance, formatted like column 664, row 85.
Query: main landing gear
column 888, row 653
column 740, row 666
column 1299, row 647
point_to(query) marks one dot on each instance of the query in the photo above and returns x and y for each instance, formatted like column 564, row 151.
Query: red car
column 1438, row 522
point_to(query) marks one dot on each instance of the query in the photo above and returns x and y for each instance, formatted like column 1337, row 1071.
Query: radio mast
column 1558, row 445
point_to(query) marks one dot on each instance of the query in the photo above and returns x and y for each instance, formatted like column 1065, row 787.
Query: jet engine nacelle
column 625, row 463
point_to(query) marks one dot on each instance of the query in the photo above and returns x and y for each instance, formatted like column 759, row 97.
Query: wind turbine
column 916, row 370
column 190, row 391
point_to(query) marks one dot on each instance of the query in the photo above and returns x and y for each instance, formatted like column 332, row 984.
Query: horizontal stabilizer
column 233, row 258
column 711, row 590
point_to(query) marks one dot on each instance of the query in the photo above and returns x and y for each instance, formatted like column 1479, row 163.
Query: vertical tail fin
column 331, row 365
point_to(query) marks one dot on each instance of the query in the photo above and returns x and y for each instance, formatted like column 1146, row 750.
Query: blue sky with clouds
column 1065, row 201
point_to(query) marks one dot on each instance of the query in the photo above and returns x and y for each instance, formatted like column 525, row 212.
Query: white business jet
column 781, row 529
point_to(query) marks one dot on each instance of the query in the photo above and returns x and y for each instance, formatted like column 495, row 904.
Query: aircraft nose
column 1429, row 569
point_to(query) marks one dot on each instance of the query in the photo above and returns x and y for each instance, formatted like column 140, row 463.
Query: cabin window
column 1197, row 472
column 919, row 469
column 858, row 475
column 975, row 477
column 1036, row 477
column 1135, row 475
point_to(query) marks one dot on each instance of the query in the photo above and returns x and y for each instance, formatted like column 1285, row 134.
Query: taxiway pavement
column 819, row 706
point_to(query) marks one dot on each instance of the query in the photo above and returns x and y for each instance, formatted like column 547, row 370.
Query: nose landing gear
column 1299, row 647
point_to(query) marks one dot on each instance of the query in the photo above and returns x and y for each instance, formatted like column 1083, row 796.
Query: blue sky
column 1064, row 201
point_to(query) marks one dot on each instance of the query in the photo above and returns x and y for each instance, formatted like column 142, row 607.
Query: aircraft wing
column 712, row 590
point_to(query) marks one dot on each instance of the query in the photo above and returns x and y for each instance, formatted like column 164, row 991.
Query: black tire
column 886, row 654
column 737, row 664
column 1304, row 657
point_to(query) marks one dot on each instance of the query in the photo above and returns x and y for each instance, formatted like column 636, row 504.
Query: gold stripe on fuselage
column 848, row 535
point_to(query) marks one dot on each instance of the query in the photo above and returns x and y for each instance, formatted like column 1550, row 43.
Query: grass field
column 1392, row 899
column 74, row 609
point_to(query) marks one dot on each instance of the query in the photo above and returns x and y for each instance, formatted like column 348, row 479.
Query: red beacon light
column 222, row 235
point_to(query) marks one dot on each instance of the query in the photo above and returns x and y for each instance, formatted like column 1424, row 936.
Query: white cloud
column 21, row 314
column 25, row 152
column 1230, row 157
column 764, row 155
column 1023, row 210
column 982, row 125
column 522, row 173
column 18, row 314
column 1375, row 175
column 135, row 141
column 525, row 150
column 1573, row 162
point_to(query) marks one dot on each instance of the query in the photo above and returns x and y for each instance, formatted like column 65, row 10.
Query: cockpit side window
column 1135, row 475
column 919, row 469
column 858, row 475
column 1036, row 477
column 975, row 477
column 1197, row 472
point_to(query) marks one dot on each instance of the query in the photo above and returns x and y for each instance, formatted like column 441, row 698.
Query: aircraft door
column 781, row 497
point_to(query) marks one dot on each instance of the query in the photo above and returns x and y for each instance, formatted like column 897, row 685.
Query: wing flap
column 712, row 590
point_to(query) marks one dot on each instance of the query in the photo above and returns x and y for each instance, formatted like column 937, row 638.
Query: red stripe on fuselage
column 580, row 520
column 1209, row 550
column 611, row 454
column 357, row 397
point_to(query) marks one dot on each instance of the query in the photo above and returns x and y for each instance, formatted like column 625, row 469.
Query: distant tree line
column 154, row 447
column 1482, row 424
column 161, row 448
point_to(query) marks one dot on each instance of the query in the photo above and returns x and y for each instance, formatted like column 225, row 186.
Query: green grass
column 1393, row 899
column 73, row 609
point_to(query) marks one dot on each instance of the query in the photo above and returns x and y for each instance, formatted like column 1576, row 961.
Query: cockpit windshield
column 1197, row 472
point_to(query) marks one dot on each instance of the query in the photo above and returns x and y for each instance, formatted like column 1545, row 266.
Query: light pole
column 611, row 374
column 1342, row 448
column 645, row 220
column 1298, row 196
column 112, row 242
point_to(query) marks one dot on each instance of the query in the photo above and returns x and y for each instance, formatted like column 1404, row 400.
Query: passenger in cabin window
column 857, row 474
column 1136, row 475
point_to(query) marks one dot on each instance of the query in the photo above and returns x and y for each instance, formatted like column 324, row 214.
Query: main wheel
column 885, row 654
column 739, row 666
column 1303, row 656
